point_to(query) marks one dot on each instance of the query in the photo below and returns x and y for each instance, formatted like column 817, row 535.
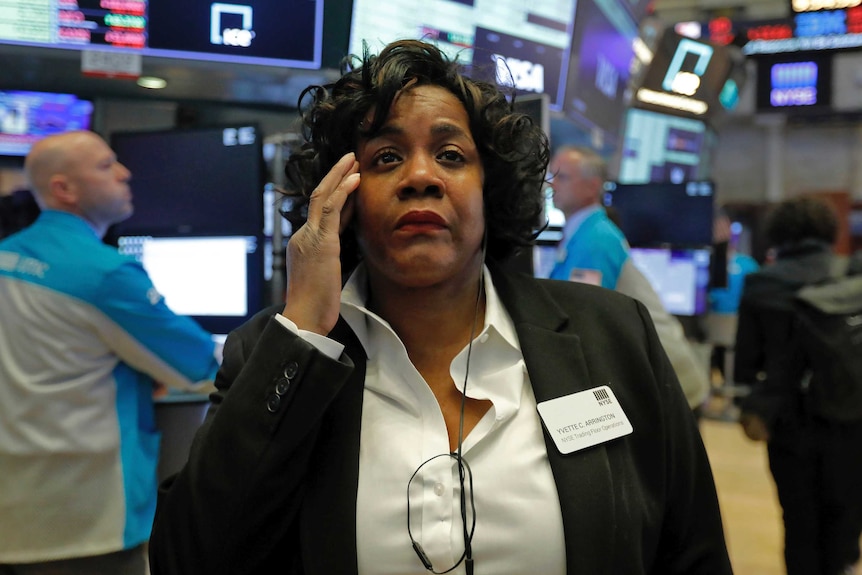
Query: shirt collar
column 575, row 220
column 354, row 296
column 494, row 357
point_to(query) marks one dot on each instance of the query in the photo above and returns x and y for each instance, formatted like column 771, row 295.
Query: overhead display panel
column 249, row 31
column 602, row 52
column 526, row 43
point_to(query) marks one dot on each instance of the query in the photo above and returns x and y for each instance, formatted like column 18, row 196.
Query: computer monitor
column 660, row 147
column 195, row 182
column 680, row 277
column 525, row 44
column 217, row 280
column 663, row 213
column 26, row 117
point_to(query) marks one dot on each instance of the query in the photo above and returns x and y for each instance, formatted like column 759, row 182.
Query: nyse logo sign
column 522, row 74
column 793, row 84
column 221, row 35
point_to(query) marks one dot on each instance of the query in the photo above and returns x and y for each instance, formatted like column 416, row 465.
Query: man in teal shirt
column 593, row 249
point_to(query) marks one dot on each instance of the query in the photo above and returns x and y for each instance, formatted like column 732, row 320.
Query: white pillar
column 856, row 168
column 774, row 126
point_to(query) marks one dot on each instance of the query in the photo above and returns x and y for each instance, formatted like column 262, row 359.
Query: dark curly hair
column 799, row 219
column 514, row 150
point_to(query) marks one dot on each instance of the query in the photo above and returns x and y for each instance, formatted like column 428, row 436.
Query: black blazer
column 270, row 485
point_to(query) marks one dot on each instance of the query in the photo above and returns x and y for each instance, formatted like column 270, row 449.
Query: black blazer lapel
column 329, row 510
column 556, row 365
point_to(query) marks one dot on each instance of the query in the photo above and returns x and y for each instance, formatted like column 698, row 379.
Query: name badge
column 584, row 419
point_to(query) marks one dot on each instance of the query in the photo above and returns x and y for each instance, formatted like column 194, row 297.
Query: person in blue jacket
column 593, row 249
column 84, row 335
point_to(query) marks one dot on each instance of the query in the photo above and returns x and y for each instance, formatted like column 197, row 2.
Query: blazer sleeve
column 238, row 496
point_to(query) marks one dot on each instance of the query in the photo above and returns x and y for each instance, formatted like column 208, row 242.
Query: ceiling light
column 152, row 82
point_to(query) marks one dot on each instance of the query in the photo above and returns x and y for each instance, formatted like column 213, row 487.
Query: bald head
column 77, row 172
column 49, row 157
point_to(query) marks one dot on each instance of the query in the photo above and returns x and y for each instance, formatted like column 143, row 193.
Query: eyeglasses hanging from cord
column 467, row 555
column 464, row 472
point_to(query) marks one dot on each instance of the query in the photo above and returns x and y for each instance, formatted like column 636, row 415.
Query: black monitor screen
column 255, row 31
column 663, row 213
column 217, row 280
column 680, row 277
column 196, row 181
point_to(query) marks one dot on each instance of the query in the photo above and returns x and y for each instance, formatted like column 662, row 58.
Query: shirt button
column 291, row 368
column 438, row 489
column 483, row 338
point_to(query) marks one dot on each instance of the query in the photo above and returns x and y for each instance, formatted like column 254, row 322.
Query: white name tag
column 584, row 419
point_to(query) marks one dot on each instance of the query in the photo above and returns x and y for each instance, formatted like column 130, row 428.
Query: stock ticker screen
column 249, row 31
column 74, row 22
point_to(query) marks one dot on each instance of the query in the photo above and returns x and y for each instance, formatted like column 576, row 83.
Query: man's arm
column 146, row 334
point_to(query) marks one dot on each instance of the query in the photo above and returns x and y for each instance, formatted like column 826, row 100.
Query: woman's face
column 419, row 207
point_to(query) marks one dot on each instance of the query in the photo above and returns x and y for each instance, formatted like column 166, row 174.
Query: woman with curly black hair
column 513, row 149
column 436, row 411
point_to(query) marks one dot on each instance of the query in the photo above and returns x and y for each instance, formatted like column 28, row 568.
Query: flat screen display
column 680, row 277
column 217, row 280
column 662, row 214
column 685, row 77
column 285, row 33
column 660, row 147
column 194, row 181
column 601, row 59
column 527, row 44
column 29, row 116
column 794, row 83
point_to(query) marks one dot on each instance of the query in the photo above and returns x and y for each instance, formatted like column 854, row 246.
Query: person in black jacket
column 438, row 411
column 814, row 461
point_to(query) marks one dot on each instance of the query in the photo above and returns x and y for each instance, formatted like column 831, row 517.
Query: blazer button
column 281, row 386
column 291, row 368
column 272, row 403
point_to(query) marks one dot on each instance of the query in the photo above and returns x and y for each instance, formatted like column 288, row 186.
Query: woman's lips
column 420, row 221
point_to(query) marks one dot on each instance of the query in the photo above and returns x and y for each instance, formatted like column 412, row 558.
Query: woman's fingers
column 332, row 192
column 313, row 252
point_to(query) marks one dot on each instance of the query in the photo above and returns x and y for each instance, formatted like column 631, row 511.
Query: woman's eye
column 452, row 156
column 386, row 157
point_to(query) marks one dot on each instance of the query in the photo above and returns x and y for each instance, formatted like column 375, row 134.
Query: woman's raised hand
column 313, row 252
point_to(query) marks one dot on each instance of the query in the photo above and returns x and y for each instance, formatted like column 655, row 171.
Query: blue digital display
column 794, row 83
column 29, row 116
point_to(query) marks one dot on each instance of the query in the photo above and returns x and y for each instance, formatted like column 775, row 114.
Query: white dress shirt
column 519, row 526
column 518, row 521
